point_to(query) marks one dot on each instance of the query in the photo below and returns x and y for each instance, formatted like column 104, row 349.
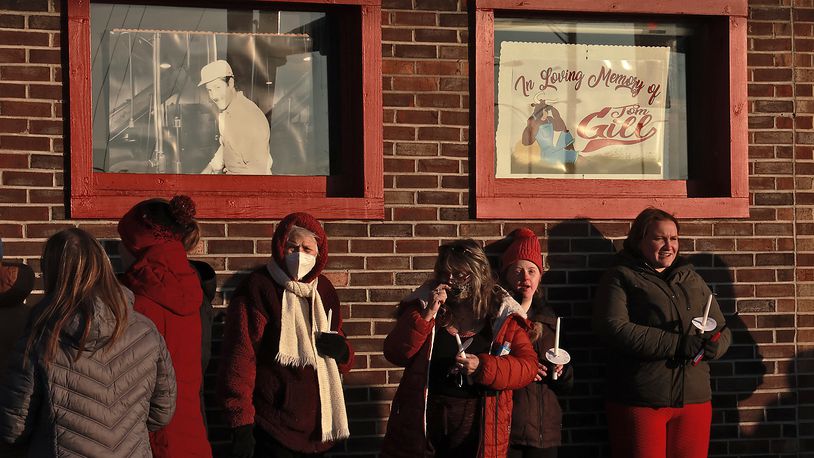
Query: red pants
column 665, row 432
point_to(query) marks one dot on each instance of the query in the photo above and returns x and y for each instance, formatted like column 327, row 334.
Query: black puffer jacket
column 537, row 415
column 643, row 315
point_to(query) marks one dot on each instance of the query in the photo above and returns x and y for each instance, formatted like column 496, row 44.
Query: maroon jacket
column 252, row 385
column 169, row 293
column 409, row 345
column 537, row 415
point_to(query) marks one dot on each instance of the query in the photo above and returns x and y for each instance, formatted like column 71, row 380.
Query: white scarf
column 301, row 302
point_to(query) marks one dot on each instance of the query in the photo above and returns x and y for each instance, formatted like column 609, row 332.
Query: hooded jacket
column 642, row 315
column 409, row 345
column 537, row 415
column 209, row 285
column 168, row 292
column 99, row 405
column 253, row 387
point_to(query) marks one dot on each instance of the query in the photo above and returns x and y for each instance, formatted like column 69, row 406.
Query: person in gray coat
column 89, row 376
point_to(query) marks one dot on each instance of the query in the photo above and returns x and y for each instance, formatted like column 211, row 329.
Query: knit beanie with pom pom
column 525, row 245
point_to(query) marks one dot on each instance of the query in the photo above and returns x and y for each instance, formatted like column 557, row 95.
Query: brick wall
column 761, row 267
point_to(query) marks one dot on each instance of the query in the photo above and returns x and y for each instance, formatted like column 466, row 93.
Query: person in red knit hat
column 284, row 350
column 155, row 236
column 537, row 415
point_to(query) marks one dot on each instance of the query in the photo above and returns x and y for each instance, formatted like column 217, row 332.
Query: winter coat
column 253, row 387
column 537, row 416
column 209, row 284
column 642, row 316
column 16, row 282
column 409, row 345
column 168, row 292
column 100, row 405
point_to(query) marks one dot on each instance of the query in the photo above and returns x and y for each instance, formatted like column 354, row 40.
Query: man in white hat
column 244, row 129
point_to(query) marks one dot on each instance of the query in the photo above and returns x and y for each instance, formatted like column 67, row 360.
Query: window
column 249, row 110
column 589, row 110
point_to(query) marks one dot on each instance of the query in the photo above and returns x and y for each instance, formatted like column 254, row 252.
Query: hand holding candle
column 556, row 355
column 705, row 323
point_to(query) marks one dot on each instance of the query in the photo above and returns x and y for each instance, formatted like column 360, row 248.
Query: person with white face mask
column 284, row 350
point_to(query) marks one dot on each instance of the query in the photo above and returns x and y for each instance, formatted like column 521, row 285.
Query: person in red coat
column 464, row 345
column 154, row 237
column 284, row 350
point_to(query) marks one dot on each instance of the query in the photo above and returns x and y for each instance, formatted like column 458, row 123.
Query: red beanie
column 525, row 245
column 305, row 221
column 138, row 232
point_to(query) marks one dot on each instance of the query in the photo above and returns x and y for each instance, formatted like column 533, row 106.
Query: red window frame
column 719, row 191
column 110, row 195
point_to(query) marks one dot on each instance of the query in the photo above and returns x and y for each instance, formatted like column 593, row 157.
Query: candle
column 706, row 314
column 557, row 338
column 330, row 315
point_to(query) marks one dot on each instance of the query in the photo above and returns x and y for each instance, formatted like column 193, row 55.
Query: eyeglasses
column 458, row 277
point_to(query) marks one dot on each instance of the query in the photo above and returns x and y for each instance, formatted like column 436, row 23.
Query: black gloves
column 242, row 442
column 332, row 345
column 690, row 346
column 710, row 349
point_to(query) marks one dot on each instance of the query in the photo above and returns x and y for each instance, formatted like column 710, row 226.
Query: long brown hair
column 76, row 272
column 467, row 256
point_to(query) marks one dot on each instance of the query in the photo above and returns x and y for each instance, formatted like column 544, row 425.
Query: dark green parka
column 642, row 315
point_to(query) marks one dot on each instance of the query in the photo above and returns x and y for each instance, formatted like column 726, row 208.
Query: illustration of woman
column 546, row 127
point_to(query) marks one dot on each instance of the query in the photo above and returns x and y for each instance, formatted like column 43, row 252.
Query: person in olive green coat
column 658, row 397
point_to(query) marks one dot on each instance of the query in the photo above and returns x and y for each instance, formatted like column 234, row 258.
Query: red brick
column 24, row 213
column 434, row 67
column 417, row 117
column 390, row 263
column 371, row 278
column 43, row 22
column 46, row 196
column 417, row 246
column 12, row 56
column 244, row 229
column 13, row 161
column 22, row 73
column 416, row 149
column 399, row 133
column 453, row 52
column 26, row 143
column 438, row 198
column 399, row 165
column 230, row 246
column 438, row 165
column 45, row 91
column 11, row 230
column 393, row 34
column 28, row 179
column 44, row 56
column 415, row 214
column 391, row 230
column 371, row 246
column 33, row 109
column 42, row 161
column 414, row 18
column 398, row 67
column 398, row 100
column 439, row 133
column 421, row 51
column 23, row 38
column 453, row 20
column 437, row 5
column 438, row 100
column 436, row 35
column 417, row 181
column 13, row 196
column 345, row 230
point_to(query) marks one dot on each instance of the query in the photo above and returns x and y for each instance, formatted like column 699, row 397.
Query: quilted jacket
column 100, row 405
column 409, row 345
